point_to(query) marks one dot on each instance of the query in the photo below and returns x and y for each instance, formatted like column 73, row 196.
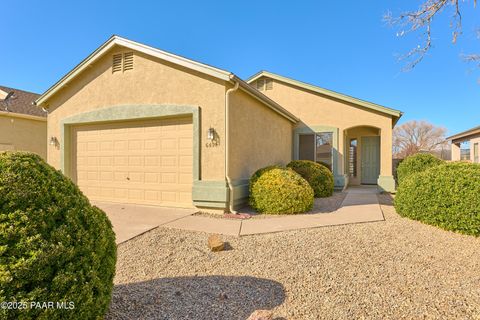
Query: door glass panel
column 306, row 147
column 352, row 158
column 324, row 148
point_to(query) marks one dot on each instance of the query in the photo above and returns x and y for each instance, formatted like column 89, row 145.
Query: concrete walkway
column 360, row 205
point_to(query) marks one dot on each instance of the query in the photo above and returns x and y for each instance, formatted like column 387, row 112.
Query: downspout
column 227, row 145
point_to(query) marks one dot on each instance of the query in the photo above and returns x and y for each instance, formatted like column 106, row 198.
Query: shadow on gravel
column 205, row 297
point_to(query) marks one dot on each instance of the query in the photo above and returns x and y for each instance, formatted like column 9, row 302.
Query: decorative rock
column 261, row 315
column 215, row 243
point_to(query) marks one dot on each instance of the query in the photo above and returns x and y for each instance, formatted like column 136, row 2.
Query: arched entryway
column 362, row 154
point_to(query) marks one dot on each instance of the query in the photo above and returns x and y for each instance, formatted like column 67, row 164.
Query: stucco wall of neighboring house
column 314, row 109
column 473, row 141
column 258, row 137
column 23, row 134
column 151, row 82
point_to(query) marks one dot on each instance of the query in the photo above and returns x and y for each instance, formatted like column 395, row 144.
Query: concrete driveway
column 130, row 220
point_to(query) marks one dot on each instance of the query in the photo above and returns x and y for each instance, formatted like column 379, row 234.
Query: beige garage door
column 143, row 162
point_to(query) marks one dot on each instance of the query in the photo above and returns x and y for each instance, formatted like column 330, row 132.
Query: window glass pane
column 323, row 148
column 306, row 150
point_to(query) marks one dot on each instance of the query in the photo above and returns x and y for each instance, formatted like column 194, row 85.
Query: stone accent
column 215, row 243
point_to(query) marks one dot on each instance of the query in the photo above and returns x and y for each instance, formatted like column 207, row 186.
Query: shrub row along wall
column 441, row 194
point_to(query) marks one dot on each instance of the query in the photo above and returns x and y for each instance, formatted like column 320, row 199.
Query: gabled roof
column 167, row 56
column 21, row 102
column 465, row 134
column 369, row 105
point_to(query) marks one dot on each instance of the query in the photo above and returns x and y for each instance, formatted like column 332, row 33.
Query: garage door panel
column 145, row 162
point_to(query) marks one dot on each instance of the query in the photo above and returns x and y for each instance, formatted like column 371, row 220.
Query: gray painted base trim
column 340, row 182
column 215, row 194
column 386, row 183
column 212, row 194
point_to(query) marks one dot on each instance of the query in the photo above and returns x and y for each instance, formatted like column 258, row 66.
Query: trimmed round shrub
column 319, row 177
column 446, row 196
column 276, row 190
column 415, row 164
column 54, row 245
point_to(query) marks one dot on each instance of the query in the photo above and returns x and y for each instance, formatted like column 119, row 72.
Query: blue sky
column 342, row 46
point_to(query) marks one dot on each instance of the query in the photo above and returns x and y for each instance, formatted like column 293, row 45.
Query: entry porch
column 360, row 155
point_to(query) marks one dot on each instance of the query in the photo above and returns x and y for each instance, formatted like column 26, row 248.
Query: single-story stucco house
column 473, row 137
column 136, row 124
column 23, row 127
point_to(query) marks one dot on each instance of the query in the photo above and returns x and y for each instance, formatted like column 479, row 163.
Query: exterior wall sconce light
column 54, row 141
column 211, row 134
column 213, row 138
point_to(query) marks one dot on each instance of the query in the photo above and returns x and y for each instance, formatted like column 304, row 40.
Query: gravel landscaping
column 394, row 269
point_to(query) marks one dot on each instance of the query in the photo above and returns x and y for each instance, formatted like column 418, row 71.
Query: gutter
column 227, row 145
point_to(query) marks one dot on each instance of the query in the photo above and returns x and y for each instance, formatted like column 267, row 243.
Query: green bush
column 319, row 177
column 277, row 190
column 415, row 164
column 54, row 245
column 446, row 196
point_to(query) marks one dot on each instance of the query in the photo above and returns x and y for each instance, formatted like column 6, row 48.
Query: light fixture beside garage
column 212, row 138
column 211, row 134
column 54, row 141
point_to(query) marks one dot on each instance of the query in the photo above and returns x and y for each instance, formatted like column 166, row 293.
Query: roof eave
column 116, row 40
column 362, row 103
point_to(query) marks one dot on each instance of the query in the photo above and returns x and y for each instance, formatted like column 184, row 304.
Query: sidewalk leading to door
column 360, row 205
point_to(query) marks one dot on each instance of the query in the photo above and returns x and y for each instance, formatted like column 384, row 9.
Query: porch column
column 386, row 182
column 455, row 151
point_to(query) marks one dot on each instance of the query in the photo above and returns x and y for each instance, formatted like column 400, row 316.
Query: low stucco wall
column 23, row 135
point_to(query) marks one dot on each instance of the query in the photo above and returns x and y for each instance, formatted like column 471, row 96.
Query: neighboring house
column 473, row 137
column 139, row 125
column 23, row 126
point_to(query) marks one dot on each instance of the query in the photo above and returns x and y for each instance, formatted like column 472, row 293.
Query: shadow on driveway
column 203, row 297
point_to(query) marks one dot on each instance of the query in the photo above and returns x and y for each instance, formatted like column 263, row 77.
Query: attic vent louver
column 122, row 62
column 128, row 61
column 117, row 63
column 268, row 84
column 260, row 84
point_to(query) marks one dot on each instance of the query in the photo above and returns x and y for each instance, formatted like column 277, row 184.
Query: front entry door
column 370, row 159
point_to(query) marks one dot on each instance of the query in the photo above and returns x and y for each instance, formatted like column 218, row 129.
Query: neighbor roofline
column 22, row 116
column 464, row 134
column 117, row 40
column 366, row 104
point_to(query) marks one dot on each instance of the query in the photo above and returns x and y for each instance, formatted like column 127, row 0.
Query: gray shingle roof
column 21, row 102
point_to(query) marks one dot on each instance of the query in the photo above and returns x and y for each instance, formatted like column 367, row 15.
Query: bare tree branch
column 421, row 19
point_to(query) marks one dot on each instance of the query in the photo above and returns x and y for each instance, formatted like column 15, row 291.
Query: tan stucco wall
column 23, row 135
column 258, row 136
column 151, row 82
column 315, row 109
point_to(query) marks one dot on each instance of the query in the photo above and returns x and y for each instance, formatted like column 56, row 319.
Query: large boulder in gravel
column 54, row 245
